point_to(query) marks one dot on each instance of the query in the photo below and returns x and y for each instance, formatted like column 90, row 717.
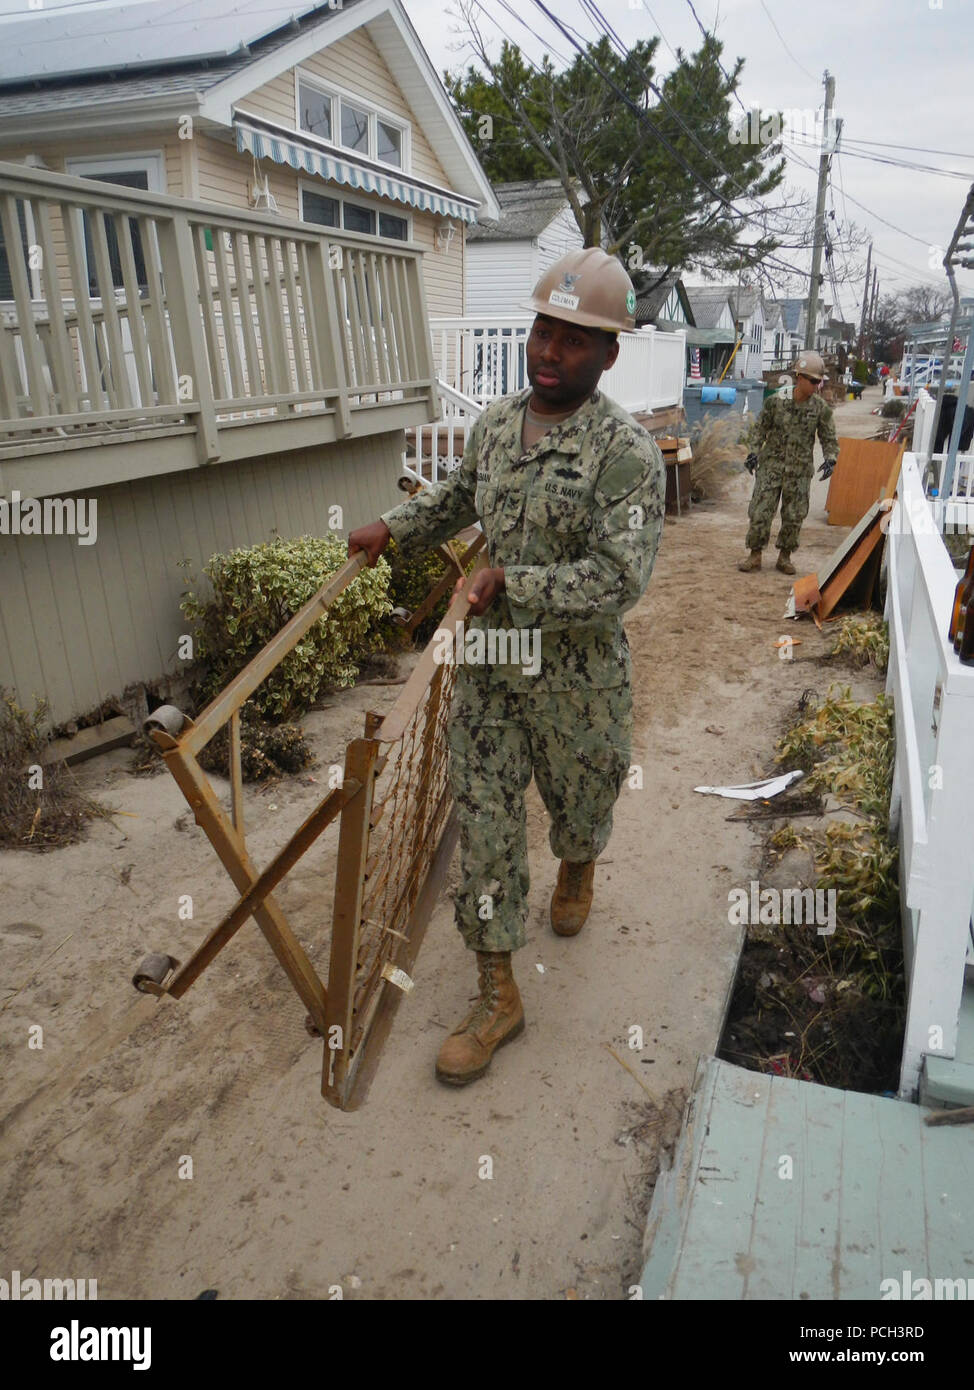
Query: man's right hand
column 751, row 462
column 373, row 539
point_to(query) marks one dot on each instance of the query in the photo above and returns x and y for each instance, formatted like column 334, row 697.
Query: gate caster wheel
column 152, row 973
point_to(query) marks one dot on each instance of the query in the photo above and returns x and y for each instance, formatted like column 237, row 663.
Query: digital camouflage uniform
column 784, row 440
column 575, row 521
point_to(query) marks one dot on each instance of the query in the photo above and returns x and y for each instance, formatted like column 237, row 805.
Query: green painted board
column 783, row 1189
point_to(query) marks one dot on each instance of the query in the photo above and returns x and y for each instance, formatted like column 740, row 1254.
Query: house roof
column 708, row 303
column 792, row 312
column 773, row 313
column 142, row 83
column 526, row 208
column 744, row 302
column 46, row 64
column 650, row 303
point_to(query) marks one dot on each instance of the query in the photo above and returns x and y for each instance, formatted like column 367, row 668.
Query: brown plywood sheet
column 843, row 578
column 807, row 592
column 866, row 471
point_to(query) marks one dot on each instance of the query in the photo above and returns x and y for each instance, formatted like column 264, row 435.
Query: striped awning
column 292, row 150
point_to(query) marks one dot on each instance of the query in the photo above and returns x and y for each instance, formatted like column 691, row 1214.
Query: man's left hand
column 484, row 588
column 827, row 469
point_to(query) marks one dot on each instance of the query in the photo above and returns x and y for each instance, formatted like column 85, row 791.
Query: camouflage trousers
column 770, row 484
column 577, row 745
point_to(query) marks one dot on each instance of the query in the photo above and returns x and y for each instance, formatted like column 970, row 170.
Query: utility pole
column 872, row 309
column 828, row 144
column 865, row 301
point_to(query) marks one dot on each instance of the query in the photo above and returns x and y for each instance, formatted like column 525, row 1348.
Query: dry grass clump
column 830, row 1008
column 41, row 806
column 863, row 638
column 717, row 455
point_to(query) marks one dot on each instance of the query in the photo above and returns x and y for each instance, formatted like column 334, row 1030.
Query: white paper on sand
column 756, row 791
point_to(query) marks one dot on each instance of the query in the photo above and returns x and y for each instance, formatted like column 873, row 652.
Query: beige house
column 233, row 226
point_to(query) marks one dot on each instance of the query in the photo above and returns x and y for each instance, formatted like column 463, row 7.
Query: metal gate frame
column 352, row 1053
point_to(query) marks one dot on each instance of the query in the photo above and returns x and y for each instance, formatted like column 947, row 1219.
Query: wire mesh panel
column 397, row 837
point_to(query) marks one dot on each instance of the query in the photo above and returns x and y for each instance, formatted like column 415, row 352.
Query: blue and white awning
column 291, row 149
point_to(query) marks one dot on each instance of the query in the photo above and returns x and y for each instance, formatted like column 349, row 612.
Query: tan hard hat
column 811, row 364
column 588, row 288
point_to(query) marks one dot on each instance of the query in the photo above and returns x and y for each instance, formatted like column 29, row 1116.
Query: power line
column 897, row 163
column 592, row 8
column 915, row 149
column 785, row 46
column 707, row 35
column 641, row 115
column 923, row 241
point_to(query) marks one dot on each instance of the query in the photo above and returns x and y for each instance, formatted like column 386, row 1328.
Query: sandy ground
column 290, row 1198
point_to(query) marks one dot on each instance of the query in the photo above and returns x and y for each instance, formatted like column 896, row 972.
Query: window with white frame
column 326, row 210
column 351, row 123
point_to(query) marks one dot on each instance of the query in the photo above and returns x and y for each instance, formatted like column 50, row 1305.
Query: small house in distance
column 507, row 257
column 713, row 332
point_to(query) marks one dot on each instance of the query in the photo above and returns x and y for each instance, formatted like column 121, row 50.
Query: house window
column 396, row 227
column 326, row 212
column 358, row 219
column 353, row 217
column 355, row 128
column 315, row 111
column 144, row 173
column 133, row 179
column 351, row 124
column 6, row 279
column 389, row 143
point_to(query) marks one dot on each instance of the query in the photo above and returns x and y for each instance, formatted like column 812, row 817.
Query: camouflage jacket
column 575, row 522
column 783, row 436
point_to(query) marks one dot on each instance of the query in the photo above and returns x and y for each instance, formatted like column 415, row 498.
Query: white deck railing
column 436, row 450
column 933, row 776
column 484, row 358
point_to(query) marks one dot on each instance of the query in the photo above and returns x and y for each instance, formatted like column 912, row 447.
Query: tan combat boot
column 497, row 1018
column 753, row 562
column 572, row 898
column 784, row 562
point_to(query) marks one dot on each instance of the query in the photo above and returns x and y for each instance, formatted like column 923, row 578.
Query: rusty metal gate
column 396, row 838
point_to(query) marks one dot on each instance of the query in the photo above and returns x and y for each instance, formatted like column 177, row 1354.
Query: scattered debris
column 755, row 791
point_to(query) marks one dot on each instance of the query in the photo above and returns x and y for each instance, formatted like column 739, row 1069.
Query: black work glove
column 827, row 469
column 751, row 462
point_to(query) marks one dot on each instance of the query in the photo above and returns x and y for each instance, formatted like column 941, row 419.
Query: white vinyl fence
column 479, row 359
column 485, row 358
column 933, row 776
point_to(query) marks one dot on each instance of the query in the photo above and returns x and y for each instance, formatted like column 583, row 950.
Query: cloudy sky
column 904, row 90
column 904, row 75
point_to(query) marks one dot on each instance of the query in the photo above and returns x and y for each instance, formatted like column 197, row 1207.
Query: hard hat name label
column 562, row 300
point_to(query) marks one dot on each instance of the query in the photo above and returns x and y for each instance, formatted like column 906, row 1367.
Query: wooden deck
column 148, row 334
column 874, row 1195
